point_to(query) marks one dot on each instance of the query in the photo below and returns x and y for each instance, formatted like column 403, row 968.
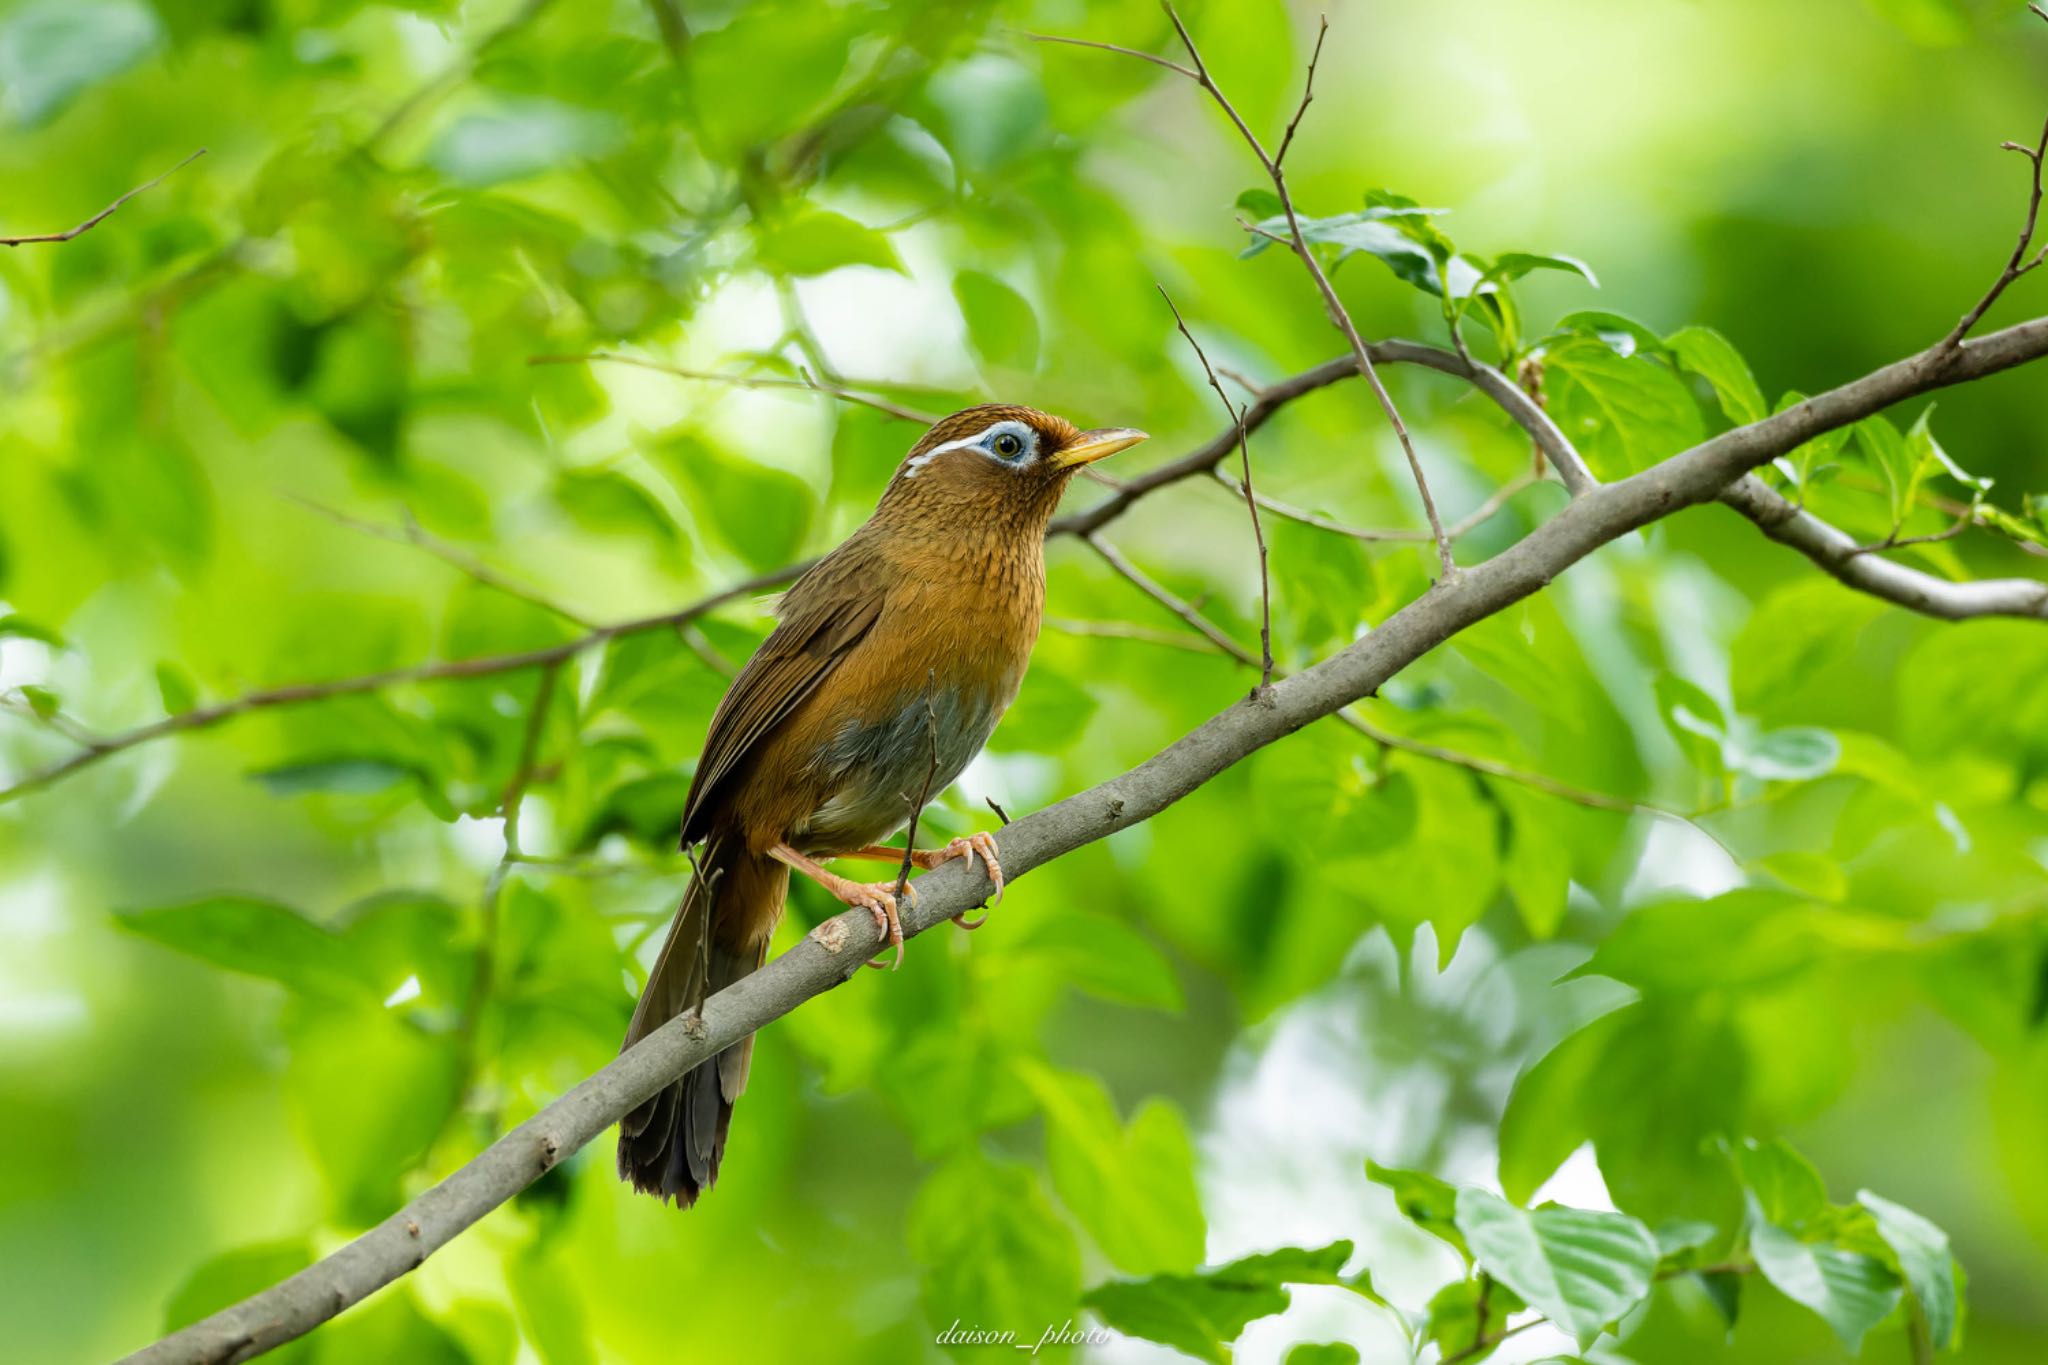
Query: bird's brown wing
column 824, row 614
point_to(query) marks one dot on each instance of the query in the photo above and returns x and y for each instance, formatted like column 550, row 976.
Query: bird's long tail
column 671, row 1145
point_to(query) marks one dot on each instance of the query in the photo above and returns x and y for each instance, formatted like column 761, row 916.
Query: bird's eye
column 1008, row 445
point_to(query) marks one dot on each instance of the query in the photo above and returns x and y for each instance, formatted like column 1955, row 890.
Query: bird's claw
column 984, row 844
column 879, row 900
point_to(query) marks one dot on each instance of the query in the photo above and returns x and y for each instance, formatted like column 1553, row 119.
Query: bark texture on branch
column 837, row 947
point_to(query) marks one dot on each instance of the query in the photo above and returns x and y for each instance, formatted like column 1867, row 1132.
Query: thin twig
column 205, row 717
column 1218, row 640
column 1339, row 316
column 1251, row 501
column 100, row 217
column 1484, row 512
column 1896, row 542
column 12, row 700
column 1174, row 603
column 747, row 381
column 1125, row 630
column 1308, row 90
column 2017, row 264
column 1151, row 57
column 419, row 537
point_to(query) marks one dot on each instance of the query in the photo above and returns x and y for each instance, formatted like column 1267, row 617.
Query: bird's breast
column 918, row 700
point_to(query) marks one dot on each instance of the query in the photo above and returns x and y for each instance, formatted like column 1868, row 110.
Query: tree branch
column 100, row 217
column 825, row 957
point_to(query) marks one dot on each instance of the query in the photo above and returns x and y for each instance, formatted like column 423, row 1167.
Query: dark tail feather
column 671, row 1145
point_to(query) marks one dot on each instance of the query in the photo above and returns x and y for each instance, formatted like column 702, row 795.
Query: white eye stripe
column 1020, row 430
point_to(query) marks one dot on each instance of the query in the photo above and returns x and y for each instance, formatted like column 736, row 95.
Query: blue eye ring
column 1008, row 444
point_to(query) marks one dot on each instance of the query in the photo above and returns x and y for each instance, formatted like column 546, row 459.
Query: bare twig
column 100, row 217
column 1484, row 512
column 419, row 537
column 206, row 717
column 1251, row 501
column 12, row 700
column 746, row 381
column 2017, row 264
column 1896, row 541
column 1172, row 601
column 1341, row 319
column 1151, row 57
column 1212, row 637
column 1308, row 90
column 1339, row 316
column 1125, row 630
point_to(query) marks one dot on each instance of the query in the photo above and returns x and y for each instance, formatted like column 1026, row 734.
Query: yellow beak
column 1097, row 445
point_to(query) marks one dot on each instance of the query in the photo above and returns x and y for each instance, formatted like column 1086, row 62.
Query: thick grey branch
column 836, row 948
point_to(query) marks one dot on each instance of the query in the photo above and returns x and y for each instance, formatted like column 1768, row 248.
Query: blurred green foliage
column 274, row 422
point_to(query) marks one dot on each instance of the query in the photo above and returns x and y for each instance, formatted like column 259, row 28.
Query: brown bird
column 908, row 640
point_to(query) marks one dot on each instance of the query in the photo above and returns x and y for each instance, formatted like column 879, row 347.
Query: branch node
column 830, row 935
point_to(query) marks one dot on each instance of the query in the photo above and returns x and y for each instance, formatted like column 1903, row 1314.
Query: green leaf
column 762, row 512
column 1625, row 413
column 1202, row 1313
column 1681, row 1242
column 1132, row 1188
column 1001, row 328
column 1886, row 451
column 1581, row 1269
column 1924, row 1260
column 1103, row 956
column 1261, row 204
column 993, row 109
column 53, row 50
column 2030, row 529
column 1812, row 461
column 1788, row 1190
column 550, row 1310
column 369, row 1092
column 232, row 1276
column 1513, row 265
column 1322, row 1353
column 519, row 140
column 1696, row 721
column 1810, row 874
column 1332, row 796
column 1451, row 1319
column 819, row 241
column 336, row 776
column 1851, row 1292
column 1424, row 1200
column 21, row 628
column 1930, row 458
column 993, row 1251
column 1714, row 358
column 1617, row 332
column 255, row 937
column 1537, row 869
column 41, row 700
column 1798, row 754
column 607, row 503
column 175, row 686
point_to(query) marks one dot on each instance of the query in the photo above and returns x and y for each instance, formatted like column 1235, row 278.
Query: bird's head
column 1002, row 461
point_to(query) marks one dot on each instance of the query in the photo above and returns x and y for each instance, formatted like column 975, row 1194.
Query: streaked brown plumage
column 916, row 629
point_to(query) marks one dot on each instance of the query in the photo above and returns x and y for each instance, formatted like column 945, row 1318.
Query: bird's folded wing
column 823, row 620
